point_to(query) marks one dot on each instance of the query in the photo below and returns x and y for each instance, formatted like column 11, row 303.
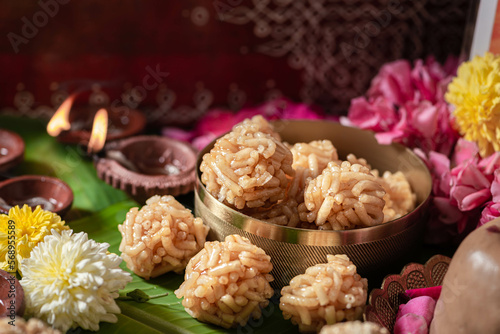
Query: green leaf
column 140, row 296
column 98, row 209
column 165, row 314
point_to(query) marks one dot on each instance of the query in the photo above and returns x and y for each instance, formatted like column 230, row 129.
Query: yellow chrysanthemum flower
column 475, row 93
column 21, row 230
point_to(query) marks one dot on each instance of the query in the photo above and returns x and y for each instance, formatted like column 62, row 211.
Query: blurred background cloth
column 174, row 60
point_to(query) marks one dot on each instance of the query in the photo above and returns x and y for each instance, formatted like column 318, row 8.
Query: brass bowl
column 383, row 304
column 293, row 250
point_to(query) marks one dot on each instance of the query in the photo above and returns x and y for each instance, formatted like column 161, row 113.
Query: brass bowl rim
column 311, row 237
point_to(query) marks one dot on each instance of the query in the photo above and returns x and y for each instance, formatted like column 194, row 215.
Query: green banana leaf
column 97, row 210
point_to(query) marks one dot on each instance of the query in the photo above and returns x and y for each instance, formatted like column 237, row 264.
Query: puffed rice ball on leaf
column 343, row 197
column 248, row 167
column 354, row 327
column 19, row 326
column 160, row 237
column 326, row 294
column 227, row 282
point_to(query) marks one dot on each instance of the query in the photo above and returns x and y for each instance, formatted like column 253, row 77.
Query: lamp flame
column 60, row 120
column 99, row 131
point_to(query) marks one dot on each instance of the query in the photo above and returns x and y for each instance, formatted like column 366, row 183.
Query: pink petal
column 440, row 163
column 377, row 115
column 469, row 198
column 411, row 323
column 490, row 164
column 495, row 187
column 490, row 212
column 464, row 150
column 200, row 142
column 177, row 133
column 393, row 83
column 433, row 292
column 425, row 119
column 216, row 121
column 448, row 213
column 424, row 81
column 469, row 174
column 423, row 306
column 386, row 138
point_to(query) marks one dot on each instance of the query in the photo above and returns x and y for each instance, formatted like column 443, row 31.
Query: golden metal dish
column 383, row 304
column 293, row 250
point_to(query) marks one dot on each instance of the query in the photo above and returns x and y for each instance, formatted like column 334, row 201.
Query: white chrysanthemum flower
column 70, row 281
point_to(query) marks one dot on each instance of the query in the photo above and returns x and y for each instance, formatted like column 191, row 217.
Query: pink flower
column 377, row 115
column 491, row 164
column 490, row 212
column 471, row 188
column 218, row 121
column 431, row 78
column 177, row 133
column 393, row 82
column 464, row 150
column 407, row 106
column 492, row 209
column 201, row 141
column 426, row 80
column 448, row 212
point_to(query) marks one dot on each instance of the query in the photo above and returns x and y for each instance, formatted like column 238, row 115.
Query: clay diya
column 50, row 193
column 121, row 124
column 11, row 149
column 144, row 166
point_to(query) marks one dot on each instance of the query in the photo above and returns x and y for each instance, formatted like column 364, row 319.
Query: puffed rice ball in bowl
column 302, row 190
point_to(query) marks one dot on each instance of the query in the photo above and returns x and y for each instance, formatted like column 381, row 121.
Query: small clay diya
column 144, row 166
column 11, row 150
column 122, row 124
column 50, row 193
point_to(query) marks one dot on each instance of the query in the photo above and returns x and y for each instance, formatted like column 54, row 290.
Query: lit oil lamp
column 144, row 166
column 78, row 125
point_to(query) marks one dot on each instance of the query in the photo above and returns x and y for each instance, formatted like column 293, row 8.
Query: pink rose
column 491, row 164
column 490, row 212
column 492, row 209
column 216, row 122
column 441, row 174
column 201, row 141
column 464, row 150
column 471, row 188
column 393, row 82
column 449, row 213
column 426, row 80
column 377, row 115
column 177, row 133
